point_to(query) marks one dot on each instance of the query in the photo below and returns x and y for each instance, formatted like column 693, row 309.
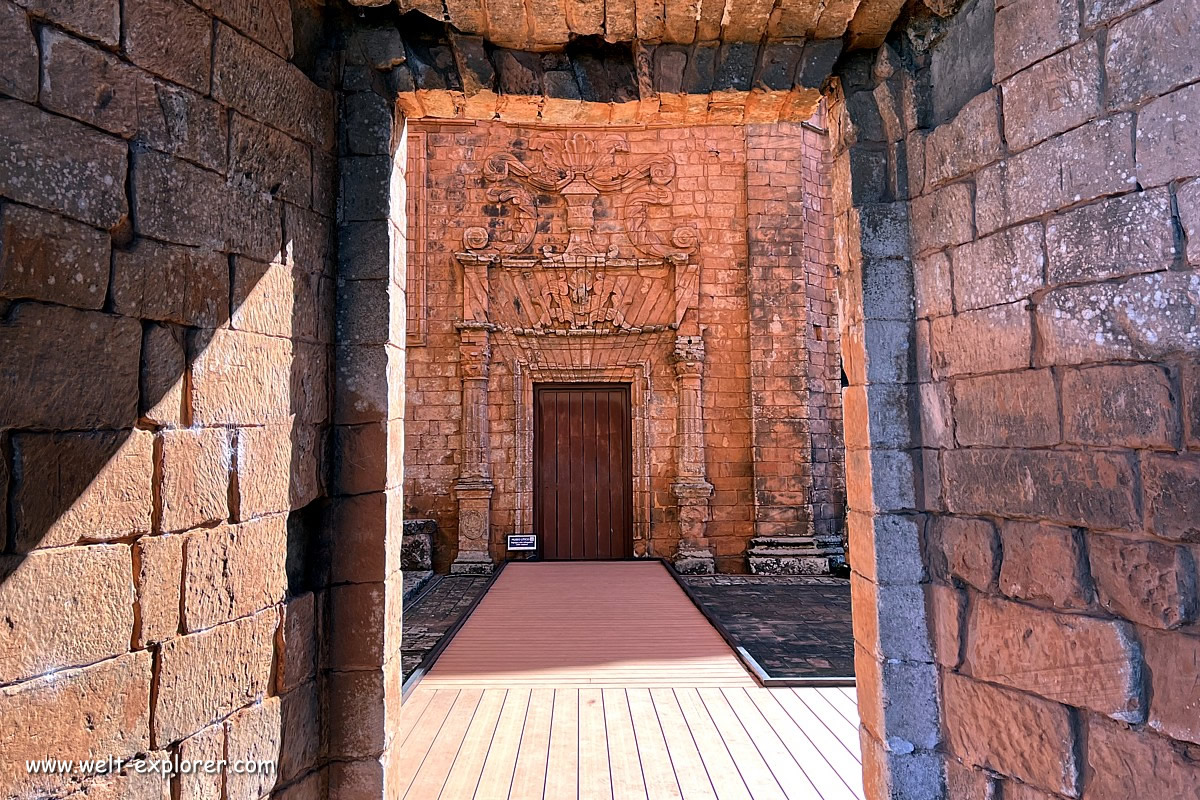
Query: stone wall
column 758, row 277
column 1017, row 219
column 165, row 323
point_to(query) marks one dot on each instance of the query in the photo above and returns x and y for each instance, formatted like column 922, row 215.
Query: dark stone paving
column 433, row 612
column 794, row 627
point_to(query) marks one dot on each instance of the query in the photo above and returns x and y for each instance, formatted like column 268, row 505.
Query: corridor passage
column 602, row 680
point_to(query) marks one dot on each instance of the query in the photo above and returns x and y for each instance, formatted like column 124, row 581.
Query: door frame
column 626, row 479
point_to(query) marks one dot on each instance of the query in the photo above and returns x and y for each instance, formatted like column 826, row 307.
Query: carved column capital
column 688, row 356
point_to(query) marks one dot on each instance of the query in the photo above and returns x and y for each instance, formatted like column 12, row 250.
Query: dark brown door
column 582, row 471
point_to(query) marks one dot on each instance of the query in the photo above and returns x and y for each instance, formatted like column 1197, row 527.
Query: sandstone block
column 1129, row 406
column 1126, row 763
column 300, row 725
column 61, row 165
column 196, row 467
column 1093, row 489
column 74, row 714
column 935, row 415
column 266, row 463
column 356, row 713
column 362, row 391
column 1052, row 96
column 269, row 23
column 1166, row 143
column 47, row 257
column 74, row 486
column 87, row 83
column 217, row 216
column 267, row 88
column 1191, row 404
column 931, row 282
column 171, row 39
column 234, row 570
column 358, row 612
column 363, row 554
column 1101, row 11
column 1011, row 733
column 164, row 362
column 182, row 123
column 205, row 676
column 94, row 19
column 298, row 650
column 264, row 298
column 208, row 744
column 966, row 143
column 310, row 382
column 172, row 284
column 308, row 242
column 942, row 218
column 254, row 734
column 1173, row 661
column 263, row 159
column 1092, row 160
column 1149, row 53
column 1044, row 565
column 1078, row 661
column 971, row 548
column 1188, row 198
column 127, row 785
column 1016, row 409
column 313, row 787
column 240, row 378
column 368, row 458
column 42, row 596
column 945, row 608
column 1000, row 268
column 1029, row 30
column 1147, row 582
column 1171, row 485
column 18, row 54
column 1116, row 237
column 1143, row 318
column 988, row 340
column 158, row 565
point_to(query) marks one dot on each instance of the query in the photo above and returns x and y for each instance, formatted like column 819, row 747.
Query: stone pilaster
column 691, row 488
column 474, row 487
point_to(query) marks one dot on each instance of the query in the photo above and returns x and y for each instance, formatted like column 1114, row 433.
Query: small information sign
column 522, row 541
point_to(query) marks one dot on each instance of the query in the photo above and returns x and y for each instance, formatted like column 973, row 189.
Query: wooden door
column 582, row 471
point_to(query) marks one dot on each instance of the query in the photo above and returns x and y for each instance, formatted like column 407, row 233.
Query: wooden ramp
column 602, row 680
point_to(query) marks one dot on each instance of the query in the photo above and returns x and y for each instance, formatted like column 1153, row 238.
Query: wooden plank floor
column 602, row 680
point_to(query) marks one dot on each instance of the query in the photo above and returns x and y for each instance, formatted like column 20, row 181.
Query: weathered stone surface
column 265, row 465
column 1168, row 145
column 966, row 143
column 94, row 578
column 1187, row 197
column 182, row 123
column 172, row 284
column 170, row 38
column 942, row 218
column 1191, row 404
column 217, row 215
column 367, row 121
column 1000, row 268
column 158, row 561
column 18, row 54
column 1016, row 409
column 47, row 257
column 208, row 744
column 944, row 608
column 240, row 378
column 1011, row 733
column 988, row 340
column 1144, row 317
column 263, row 86
column 1125, row 763
column 273, row 299
column 308, row 241
column 61, row 165
column 1045, row 565
column 966, row 783
column 931, row 284
column 196, row 467
column 1173, row 661
column 73, row 486
column 164, row 362
column 254, row 734
column 93, row 19
column 971, row 549
column 234, row 570
column 1150, row 52
column 1144, row 581
column 1053, row 96
column 1090, row 489
column 1029, row 30
column 1171, row 485
column 1129, row 406
column 1091, row 161
column 268, row 23
column 300, row 725
column 1116, row 237
column 263, row 159
column 205, row 676
column 1079, row 661
column 127, row 785
column 87, row 83
column 85, row 713
column 298, row 650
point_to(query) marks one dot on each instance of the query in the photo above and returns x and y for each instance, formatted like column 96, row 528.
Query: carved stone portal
column 537, row 297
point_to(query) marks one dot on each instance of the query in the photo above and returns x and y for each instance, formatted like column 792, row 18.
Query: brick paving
column 437, row 608
column 794, row 627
